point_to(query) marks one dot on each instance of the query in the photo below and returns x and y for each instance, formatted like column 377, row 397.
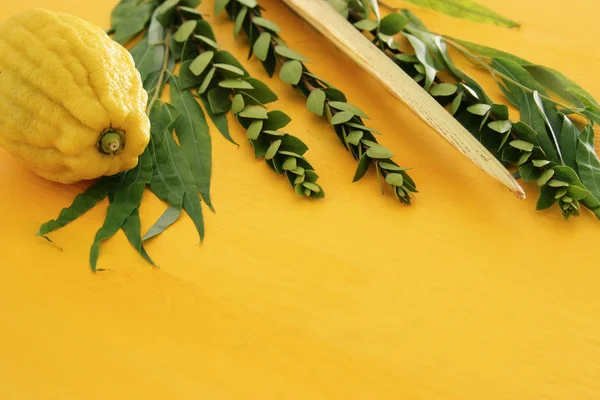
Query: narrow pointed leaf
column 467, row 10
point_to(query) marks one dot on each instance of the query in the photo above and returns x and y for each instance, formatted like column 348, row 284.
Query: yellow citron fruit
column 72, row 104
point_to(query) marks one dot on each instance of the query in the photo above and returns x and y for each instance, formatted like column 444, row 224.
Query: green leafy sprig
column 545, row 146
column 225, row 86
column 322, row 99
column 176, row 165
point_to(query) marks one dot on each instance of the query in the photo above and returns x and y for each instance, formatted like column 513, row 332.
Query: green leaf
column 529, row 173
column 166, row 11
column 500, row 126
column 176, row 185
column 443, row 89
column 237, row 104
column 291, row 144
column 218, row 100
column 394, row 179
column 363, row 167
column 540, row 105
column 265, row 23
column 341, row 117
column 82, row 203
column 207, row 41
column 260, row 92
column 312, row 186
column 168, row 218
column 185, row 31
column 253, row 112
column 393, row 23
column 290, row 164
column 126, row 200
column 239, row 21
column 456, row 102
column 340, row 105
column 521, row 145
column 289, row 53
column 187, row 79
column 578, row 193
column 276, row 120
column 545, row 177
column 390, row 167
column 467, row 10
column 254, row 129
column 220, row 121
column 262, row 46
column 272, row 150
column 129, row 18
column 557, row 183
column 230, row 68
column 132, row 229
column 207, row 79
column 220, row 5
column 559, row 84
column 379, row 152
column 192, row 131
column 235, row 84
column 316, row 101
column 366, row 25
column 540, row 163
column 354, row 137
column 489, row 51
column 527, row 105
column 587, row 161
column 546, row 199
column 225, row 57
column 291, row 72
column 568, row 142
column 421, row 52
column 479, row 109
column 201, row 62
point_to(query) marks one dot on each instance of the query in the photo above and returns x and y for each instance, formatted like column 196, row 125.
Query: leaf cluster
column 176, row 166
column 324, row 100
column 545, row 145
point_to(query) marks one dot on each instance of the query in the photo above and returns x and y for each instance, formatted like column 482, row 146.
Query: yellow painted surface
column 467, row 295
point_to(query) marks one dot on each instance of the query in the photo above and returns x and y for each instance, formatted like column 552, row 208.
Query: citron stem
column 111, row 142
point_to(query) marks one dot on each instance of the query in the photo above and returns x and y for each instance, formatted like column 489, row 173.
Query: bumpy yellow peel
column 64, row 86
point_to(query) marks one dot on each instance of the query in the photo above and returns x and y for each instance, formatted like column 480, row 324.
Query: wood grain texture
column 346, row 38
column 466, row 295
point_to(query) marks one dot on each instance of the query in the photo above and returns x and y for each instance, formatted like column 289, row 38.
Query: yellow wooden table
column 468, row 294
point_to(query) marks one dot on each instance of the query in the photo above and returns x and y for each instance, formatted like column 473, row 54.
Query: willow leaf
column 467, row 10
column 166, row 183
column 421, row 52
column 126, row 200
column 551, row 79
column 568, row 142
column 554, row 134
column 82, row 203
column 192, row 130
column 168, row 218
column 191, row 199
column 587, row 161
column 132, row 229
column 529, row 112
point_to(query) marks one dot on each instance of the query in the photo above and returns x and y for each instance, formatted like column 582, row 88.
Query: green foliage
column 345, row 118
